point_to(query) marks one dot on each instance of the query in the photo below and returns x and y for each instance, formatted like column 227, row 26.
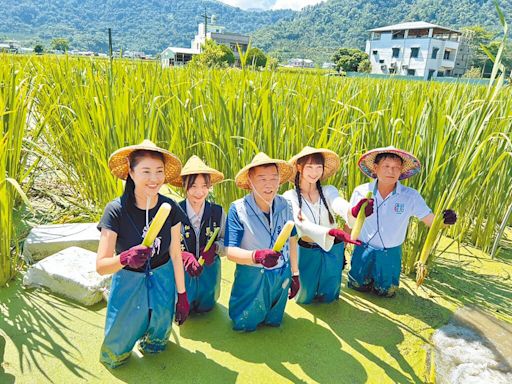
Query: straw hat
column 411, row 165
column 195, row 166
column 119, row 164
column 242, row 177
column 331, row 161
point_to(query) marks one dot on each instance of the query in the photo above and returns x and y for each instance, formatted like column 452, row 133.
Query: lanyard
column 311, row 210
column 271, row 231
column 197, row 233
column 156, row 244
column 375, row 190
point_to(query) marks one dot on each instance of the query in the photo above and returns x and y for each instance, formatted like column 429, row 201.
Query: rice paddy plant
column 16, row 157
column 460, row 132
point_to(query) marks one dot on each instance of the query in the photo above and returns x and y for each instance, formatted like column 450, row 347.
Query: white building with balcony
column 176, row 56
column 417, row 49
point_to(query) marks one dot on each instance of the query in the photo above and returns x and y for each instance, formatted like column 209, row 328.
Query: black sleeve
column 177, row 214
column 111, row 217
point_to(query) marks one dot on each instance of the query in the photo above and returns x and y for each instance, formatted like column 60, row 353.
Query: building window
column 415, row 52
column 398, row 35
column 434, row 53
column 381, row 61
column 396, row 52
column 411, row 72
column 375, row 52
column 376, row 36
column 446, row 55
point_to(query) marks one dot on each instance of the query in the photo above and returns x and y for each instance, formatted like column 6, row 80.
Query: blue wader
column 258, row 296
column 377, row 269
column 204, row 290
column 140, row 308
column 320, row 273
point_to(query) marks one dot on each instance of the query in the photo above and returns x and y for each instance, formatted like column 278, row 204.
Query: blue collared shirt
column 387, row 226
column 248, row 228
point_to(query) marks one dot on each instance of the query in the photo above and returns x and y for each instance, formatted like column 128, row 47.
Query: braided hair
column 315, row 158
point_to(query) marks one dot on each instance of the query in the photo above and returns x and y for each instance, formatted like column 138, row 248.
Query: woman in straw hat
column 202, row 219
column 321, row 244
column 146, row 280
column 263, row 278
column 376, row 264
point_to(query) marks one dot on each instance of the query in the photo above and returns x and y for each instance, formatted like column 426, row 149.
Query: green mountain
column 147, row 25
column 151, row 25
column 318, row 30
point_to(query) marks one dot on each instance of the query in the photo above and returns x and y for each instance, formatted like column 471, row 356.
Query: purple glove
column 449, row 216
column 209, row 255
column 135, row 257
column 191, row 265
column 182, row 308
column 294, row 287
column 368, row 210
column 266, row 257
column 343, row 236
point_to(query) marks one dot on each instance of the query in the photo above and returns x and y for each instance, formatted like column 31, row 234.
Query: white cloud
column 294, row 4
column 271, row 4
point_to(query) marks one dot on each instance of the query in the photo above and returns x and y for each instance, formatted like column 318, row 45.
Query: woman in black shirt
column 146, row 280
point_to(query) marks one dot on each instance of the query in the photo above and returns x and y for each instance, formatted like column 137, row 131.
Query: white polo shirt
column 387, row 226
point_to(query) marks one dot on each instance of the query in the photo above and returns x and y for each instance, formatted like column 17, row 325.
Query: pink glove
column 135, row 257
column 209, row 256
column 266, row 257
column 182, row 308
column 294, row 287
column 191, row 265
column 343, row 236
column 368, row 209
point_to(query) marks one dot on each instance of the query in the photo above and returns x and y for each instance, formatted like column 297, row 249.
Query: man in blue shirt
column 376, row 264
column 264, row 279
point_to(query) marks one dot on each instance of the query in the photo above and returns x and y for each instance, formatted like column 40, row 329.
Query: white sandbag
column 45, row 240
column 70, row 273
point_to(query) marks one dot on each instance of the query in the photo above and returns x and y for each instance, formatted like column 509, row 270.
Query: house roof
column 191, row 51
column 411, row 25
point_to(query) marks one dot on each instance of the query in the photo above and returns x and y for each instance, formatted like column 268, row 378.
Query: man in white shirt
column 376, row 264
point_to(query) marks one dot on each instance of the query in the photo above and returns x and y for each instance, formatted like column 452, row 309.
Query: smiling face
column 148, row 175
column 311, row 168
column 388, row 169
column 265, row 181
column 197, row 187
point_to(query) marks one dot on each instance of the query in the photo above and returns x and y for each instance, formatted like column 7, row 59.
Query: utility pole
column 110, row 43
column 206, row 17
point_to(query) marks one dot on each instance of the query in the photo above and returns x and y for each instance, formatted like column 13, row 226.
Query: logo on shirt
column 399, row 208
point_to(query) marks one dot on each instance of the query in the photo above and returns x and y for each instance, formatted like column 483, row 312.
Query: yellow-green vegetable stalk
column 361, row 217
column 156, row 224
column 283, row 236
column 435, row 228
column 209, row 243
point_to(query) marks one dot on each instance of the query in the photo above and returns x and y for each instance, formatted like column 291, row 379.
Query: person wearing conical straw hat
column 263, row 279
column 203, row 218
column 376, row 264
column 321, row 242
column 148, row 284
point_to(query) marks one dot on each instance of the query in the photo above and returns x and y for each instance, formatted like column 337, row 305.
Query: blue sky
column 271, row 4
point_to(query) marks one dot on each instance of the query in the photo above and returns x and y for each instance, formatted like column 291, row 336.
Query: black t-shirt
column 129, row 223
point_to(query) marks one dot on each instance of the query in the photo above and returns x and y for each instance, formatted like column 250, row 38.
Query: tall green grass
column 225, row 116
column 17, row 158
column 88, row 108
